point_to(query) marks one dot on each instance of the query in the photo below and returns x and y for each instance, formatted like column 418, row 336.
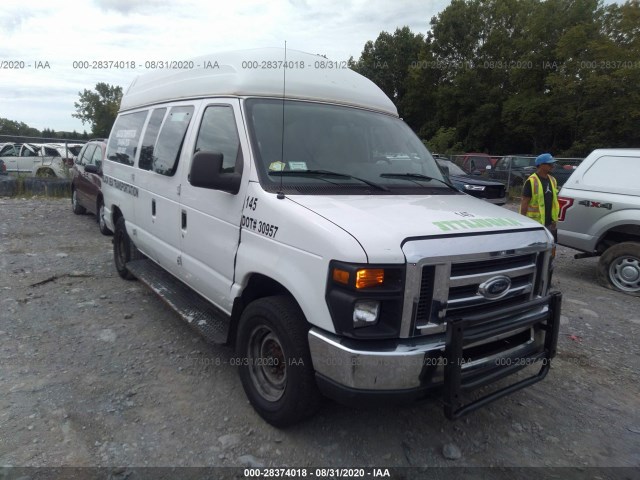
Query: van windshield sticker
column 298, row 166
column 448, row 225
column 276, row 166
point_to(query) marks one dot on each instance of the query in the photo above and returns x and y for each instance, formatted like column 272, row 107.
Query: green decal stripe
column 452, row 225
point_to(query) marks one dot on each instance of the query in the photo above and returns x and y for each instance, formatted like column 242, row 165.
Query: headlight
column 475, row 188
column 365, row 313
column 365, row 300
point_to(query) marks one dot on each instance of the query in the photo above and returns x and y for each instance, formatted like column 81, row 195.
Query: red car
column 474, row 163
column 86, row 182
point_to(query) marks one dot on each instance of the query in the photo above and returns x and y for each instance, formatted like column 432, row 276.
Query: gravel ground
column 97, row 371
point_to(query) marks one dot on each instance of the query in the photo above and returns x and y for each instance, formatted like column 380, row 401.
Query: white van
column 285, row 208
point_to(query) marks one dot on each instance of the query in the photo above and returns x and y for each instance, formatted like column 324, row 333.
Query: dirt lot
column 97, row 371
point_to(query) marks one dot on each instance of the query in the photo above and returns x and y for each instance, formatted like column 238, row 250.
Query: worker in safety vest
column 540, row 195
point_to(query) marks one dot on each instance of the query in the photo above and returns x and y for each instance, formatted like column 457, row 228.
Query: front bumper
column 452, row 363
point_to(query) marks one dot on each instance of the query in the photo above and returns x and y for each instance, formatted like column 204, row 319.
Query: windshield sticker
column 276, row 166
column 448, row 225
column 298, row 166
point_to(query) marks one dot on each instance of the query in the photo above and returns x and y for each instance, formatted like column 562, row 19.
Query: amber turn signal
column 369, row 277
column 340, row 276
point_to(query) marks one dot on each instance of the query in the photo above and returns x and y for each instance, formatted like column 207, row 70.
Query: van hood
column 381, row 224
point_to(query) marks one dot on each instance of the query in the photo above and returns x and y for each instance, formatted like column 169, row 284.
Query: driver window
column 218, row 134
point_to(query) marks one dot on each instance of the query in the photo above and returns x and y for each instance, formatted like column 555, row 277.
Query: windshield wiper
column 304, row 173
column 417, row 176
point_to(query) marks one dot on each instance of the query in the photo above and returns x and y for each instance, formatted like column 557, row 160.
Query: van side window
column 125, row 136
column 150, row 136
column 169, row 145
column 218, row 134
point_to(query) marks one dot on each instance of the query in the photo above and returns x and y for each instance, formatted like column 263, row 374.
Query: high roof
column 259, row 72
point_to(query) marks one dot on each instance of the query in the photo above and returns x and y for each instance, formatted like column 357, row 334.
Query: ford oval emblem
column 495, row 287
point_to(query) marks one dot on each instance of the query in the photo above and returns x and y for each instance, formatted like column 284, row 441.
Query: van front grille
column 459, row 287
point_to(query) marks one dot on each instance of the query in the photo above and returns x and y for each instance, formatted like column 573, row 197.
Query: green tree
column 386, row 62
column 444, row 141
column 13, row 128
column 516, row 76
column 99, row 108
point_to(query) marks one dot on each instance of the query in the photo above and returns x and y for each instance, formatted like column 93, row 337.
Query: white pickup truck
column 600, row 215
column 41, row 160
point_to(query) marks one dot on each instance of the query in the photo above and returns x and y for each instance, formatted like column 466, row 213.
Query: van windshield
column 337, row 149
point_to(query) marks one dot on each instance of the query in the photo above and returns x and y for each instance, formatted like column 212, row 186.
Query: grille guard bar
column 455, row 383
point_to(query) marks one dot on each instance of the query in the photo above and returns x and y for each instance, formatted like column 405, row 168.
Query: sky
column 41, row 40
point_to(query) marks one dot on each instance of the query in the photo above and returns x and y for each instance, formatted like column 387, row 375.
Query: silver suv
column 600, row 215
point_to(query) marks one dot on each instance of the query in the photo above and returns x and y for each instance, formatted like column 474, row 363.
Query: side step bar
column 210, row 322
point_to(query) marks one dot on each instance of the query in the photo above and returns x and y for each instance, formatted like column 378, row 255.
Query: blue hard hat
column 544, row 158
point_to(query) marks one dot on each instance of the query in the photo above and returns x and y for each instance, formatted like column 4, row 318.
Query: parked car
column 600, row 215
column 35, row 159
column 86, row 182
column 474, row 163
column 513, row 170
column 68, row 152
column 491, row 191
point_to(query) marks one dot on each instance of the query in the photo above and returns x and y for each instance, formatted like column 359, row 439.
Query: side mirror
column 91, row 168
column 206, row 173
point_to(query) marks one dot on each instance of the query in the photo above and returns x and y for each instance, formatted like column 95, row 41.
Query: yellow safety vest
column 536, row 209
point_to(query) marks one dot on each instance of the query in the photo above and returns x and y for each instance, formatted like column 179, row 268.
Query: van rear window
column 125, row 136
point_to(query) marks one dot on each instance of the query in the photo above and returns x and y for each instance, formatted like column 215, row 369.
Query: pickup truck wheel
column 101, row 223
column 274, row 361
column 619, row 267
column 124, row 250
column 77, row 208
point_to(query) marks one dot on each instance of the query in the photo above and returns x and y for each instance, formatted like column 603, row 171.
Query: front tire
column 619, row 268
column 124, row 250
column 274, row 361
column 75, row 206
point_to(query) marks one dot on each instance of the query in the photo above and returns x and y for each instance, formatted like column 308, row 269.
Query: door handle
column 184, row 220
column 153, row 207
